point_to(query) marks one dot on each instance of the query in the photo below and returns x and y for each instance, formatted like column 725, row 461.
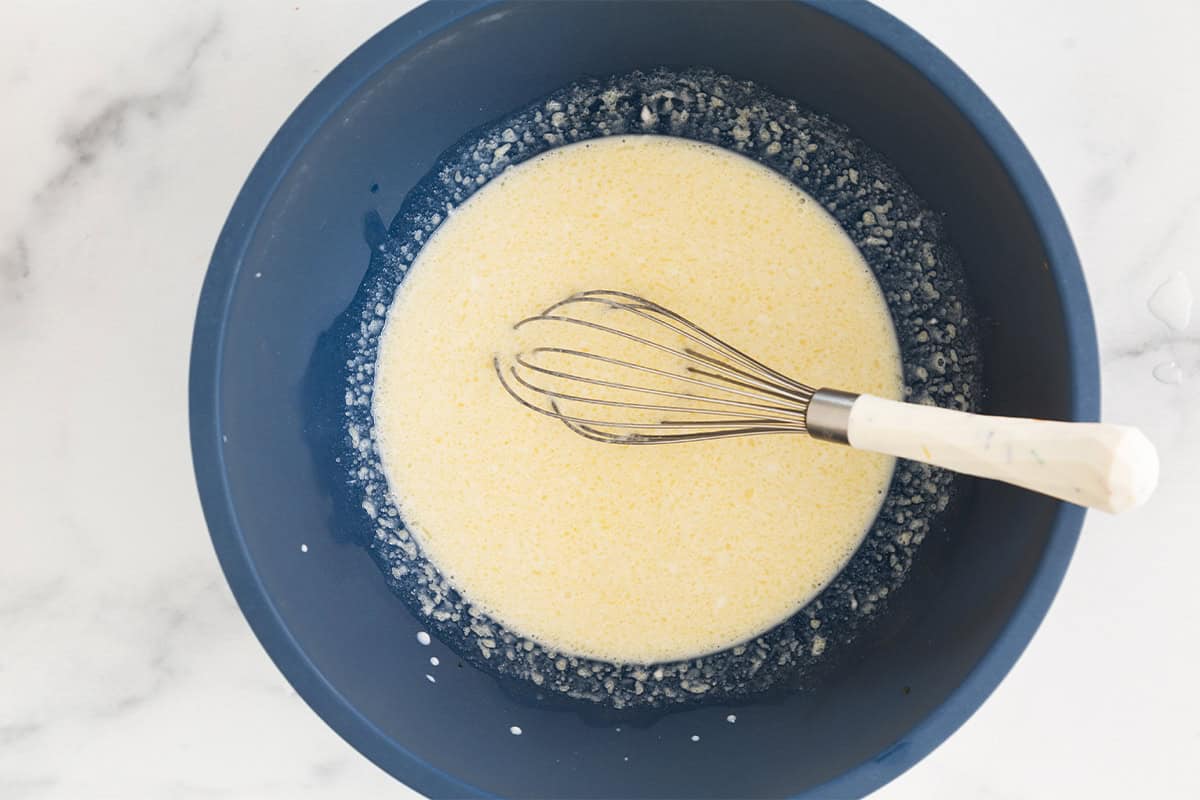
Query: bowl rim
column 204, row 385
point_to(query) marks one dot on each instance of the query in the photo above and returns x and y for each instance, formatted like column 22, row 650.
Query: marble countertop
column 126, row 670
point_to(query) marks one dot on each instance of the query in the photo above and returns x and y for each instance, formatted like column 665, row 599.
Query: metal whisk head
column 618, row 368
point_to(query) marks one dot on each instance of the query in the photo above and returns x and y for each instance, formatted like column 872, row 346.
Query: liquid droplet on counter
column 1168, row 372
column 1171, row 302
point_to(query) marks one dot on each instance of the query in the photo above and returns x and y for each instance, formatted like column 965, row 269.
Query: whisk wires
column 680, row 383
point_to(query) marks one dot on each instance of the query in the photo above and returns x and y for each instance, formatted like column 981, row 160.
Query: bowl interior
column 294, row 253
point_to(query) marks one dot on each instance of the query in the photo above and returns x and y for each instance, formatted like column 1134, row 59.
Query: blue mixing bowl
column 293, row 253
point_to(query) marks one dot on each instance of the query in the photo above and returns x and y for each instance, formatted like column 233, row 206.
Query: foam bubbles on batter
column 901, row 240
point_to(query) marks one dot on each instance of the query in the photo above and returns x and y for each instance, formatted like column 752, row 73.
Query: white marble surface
column 126, row 670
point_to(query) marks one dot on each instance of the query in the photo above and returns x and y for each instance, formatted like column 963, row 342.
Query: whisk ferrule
column 828, row 417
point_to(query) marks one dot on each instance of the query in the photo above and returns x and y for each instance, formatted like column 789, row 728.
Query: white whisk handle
column 1110, row 467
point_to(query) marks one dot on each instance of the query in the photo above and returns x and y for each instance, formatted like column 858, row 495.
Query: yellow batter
column 631, row 554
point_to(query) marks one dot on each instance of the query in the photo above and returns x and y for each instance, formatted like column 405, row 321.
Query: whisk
column 686, row 385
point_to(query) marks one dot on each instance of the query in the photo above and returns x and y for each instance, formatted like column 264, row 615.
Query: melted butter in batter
column 631, row 554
